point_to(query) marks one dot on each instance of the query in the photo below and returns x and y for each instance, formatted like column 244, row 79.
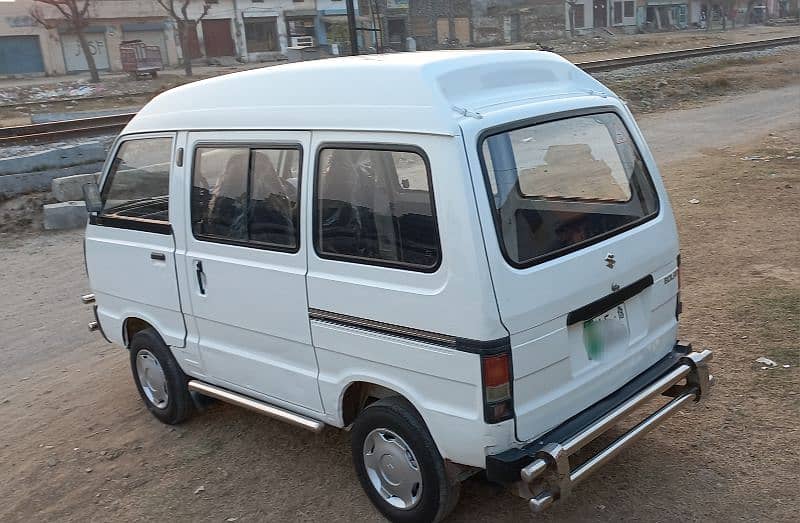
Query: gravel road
column 78, row 445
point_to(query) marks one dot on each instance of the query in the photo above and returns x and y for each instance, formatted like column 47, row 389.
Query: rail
column 597, row 66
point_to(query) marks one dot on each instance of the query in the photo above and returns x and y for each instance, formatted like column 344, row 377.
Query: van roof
column 421, row 92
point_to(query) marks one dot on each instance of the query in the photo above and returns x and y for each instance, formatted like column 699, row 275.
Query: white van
column 467, row 259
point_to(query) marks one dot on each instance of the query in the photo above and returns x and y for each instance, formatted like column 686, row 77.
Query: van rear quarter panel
column 456, row 299
column 443, row 385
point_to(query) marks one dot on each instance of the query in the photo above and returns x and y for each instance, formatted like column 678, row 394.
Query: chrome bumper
column 550, row 477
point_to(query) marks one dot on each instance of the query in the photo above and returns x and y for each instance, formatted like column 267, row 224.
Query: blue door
column 20, row 54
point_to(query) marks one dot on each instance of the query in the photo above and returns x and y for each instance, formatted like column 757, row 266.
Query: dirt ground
column 23, row 213
column 77, row 444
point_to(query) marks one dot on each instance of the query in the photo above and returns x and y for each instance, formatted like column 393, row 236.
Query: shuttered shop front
column 75, row 60
column 20, row 55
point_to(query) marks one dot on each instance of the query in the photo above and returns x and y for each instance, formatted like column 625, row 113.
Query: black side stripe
column 598, row 307
column 444, row 340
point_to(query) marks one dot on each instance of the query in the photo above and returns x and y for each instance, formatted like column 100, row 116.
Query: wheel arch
column 133, row 324
column 361, row 391
column 359, row 394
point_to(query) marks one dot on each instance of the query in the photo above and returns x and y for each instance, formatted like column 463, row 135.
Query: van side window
column 138, row 182
column 246, row 196
column 376, row 207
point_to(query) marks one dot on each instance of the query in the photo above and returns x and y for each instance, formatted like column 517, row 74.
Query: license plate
column 604, row 331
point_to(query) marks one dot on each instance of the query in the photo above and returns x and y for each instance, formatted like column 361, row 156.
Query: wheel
column 398, row 464
column 160, row 381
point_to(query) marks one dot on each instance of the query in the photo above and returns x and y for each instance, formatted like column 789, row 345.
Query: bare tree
column 74, row 14
column 184, row 23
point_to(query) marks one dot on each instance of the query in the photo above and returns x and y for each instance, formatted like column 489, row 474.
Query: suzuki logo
column 610, row 261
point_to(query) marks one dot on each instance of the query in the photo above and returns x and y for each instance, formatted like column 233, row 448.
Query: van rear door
column 584, row 244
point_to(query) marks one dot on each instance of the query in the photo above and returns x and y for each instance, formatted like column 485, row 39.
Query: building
column 739, row 12
column 627, row 16
column 27, row 47
column 667, row 15
column 245, row 30
column 511, row 21
column 260, row 30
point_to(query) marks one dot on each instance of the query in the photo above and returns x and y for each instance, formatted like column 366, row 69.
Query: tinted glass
column 247, row 195
column 376, row 206
column 138, row 182
column 560, row 185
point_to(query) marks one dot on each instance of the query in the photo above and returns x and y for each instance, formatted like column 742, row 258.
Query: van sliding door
column 245, row 263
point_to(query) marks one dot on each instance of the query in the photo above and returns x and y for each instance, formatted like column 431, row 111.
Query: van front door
column 130, row 247
column 246, row 264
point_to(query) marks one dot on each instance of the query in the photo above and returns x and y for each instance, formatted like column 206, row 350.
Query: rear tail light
column 497, row 398
column 678, row 303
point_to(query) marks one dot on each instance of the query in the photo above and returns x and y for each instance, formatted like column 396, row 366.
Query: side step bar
column 257, row 406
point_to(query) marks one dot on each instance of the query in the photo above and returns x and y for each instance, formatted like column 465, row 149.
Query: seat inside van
column 366, row 212
column 250, row 201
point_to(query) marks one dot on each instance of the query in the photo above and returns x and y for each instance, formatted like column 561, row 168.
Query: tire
column 167, row 399
column 376, row 426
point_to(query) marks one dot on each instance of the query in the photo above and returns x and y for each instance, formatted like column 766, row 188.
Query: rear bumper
column 542, row 469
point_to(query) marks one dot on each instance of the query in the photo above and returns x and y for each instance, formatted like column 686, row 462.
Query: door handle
column 198, row 267
column 159, row 256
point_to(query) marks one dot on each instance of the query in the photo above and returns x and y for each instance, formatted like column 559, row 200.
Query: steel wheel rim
column 392, row 469
column 152, row 379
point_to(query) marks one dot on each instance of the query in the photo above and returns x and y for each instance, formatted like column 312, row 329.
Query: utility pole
column 351, row 27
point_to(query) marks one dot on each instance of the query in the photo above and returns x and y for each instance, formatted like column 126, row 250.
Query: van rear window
column 560, row 185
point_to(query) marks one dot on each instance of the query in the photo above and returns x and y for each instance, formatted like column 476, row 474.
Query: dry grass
column 698, row 84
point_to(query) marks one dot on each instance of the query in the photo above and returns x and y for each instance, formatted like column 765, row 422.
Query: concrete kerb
column 70, row 188
column 35, row 171
column 54, row 158
column 65, row 215
column 13, row 184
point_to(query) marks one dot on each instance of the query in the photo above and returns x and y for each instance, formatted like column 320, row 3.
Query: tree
column 184, row 24
column 74, row 15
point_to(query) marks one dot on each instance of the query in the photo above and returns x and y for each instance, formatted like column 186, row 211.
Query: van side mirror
column 91, row 195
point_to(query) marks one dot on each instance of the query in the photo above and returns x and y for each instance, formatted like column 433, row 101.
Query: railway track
column 53, row 131
column 597, row 66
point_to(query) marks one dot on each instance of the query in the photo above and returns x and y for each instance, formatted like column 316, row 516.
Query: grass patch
column 718, row 83
column 721, row 64
column 774, row 312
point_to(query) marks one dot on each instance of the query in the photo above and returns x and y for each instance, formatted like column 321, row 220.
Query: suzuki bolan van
column 466, row 259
